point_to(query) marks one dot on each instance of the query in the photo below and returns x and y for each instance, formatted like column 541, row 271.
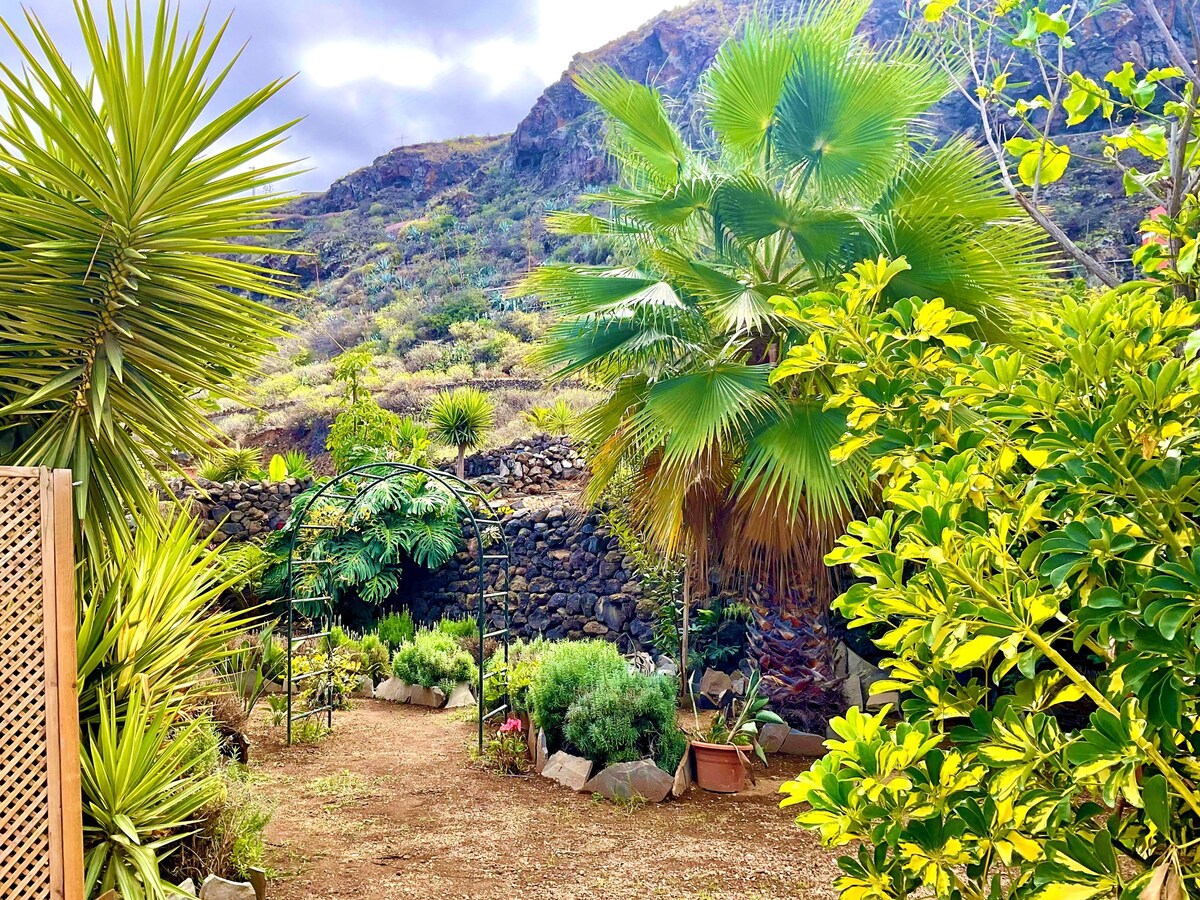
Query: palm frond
column 641, row 135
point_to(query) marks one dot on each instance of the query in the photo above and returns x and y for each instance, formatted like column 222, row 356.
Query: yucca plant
column 233, row 464
column 149, row 616
column 461, row 418
column 121, row 297
column 557, row 419
column 820, row 158
column 124, row 311
column 297, row 464
column 142, row 789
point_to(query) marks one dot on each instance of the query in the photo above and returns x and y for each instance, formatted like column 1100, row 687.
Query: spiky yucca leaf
column 141, row 788
column 122, row 197
column 461, row 418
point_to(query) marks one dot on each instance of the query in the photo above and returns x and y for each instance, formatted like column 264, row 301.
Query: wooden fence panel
column 41, row 829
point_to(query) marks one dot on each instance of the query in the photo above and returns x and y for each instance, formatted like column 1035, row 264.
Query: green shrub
column 233, row 464
column 624, row 717
column 524, row 659
column 227, row 841
column 375, row 658
column 395, row 629
column 432, row 659
column 1032, row 576
column 458, row 628
column 567, row 670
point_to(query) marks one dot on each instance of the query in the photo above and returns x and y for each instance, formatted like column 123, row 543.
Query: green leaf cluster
column 566, row 671
column 624, row 717
column 361, row 550
column 122, row 302
column 433, row 659
column 1035, row 577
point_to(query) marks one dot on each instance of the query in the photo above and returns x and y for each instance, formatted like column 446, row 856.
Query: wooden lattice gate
column 41, row 830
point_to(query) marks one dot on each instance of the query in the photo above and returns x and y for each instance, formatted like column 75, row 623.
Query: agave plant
column 461, row 418
column 120, row 302
column 821, row 158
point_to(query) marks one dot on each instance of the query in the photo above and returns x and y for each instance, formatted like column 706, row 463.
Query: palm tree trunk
column 462, row 461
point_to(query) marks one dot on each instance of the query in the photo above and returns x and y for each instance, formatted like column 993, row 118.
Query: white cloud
column 561, row 32
column 338, row 63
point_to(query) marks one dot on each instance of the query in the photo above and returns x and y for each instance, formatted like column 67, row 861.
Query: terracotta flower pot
column 719, row 767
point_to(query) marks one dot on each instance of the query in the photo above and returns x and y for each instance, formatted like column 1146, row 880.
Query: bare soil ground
column 390, row 806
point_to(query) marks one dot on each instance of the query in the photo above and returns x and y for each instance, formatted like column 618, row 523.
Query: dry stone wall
column 533, row 467
column 239, row 510
column 569, row 579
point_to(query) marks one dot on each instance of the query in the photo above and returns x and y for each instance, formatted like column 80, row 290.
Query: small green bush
column 375, row 658
column 624, row 717
column 566, row 672
column 432, row 659
column 524, row 660
column 395, row 629
column 458, row 628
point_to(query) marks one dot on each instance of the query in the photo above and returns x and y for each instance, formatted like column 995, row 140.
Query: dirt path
column 390, row 806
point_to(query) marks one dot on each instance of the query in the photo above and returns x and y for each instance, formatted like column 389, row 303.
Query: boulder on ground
column 683, row 775
column 878, row 701
column 622, row 781
column 423, row 696
column 394, row 690
column 365, row 690
column 187, row 887
column 461, row 696
column 801, row 743
column 772, row 735
column 569, row 771
column 215, row 888
column 715, row 685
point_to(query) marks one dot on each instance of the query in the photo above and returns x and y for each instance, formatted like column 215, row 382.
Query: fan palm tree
column 461, row 418
column 123, row 193
column 820, row 158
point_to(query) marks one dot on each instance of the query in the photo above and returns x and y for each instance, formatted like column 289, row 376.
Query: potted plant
column 721, row 751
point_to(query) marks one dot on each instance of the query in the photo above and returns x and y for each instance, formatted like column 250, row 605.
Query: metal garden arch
column 349, row 487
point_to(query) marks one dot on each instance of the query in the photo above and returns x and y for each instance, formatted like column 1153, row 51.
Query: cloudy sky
column 374, row 74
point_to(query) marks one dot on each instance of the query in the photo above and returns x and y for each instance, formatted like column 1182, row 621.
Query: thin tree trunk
column 462, row 461
column 686, row 686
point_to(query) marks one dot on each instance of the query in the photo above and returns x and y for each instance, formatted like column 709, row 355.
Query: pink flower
column 512, row 726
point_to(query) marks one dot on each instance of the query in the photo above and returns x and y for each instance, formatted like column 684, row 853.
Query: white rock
column 622, row 781
column 188, row 887
column 423, row 696
column 683, row 775
column 215, row 888
column 772, row 735
column 394, row 690
column 461, row 696
column 569, row 771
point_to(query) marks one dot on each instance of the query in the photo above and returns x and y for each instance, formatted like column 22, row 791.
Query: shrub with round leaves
column 1034, row 578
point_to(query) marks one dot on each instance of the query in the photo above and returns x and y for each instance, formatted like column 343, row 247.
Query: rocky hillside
column 436, row 219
